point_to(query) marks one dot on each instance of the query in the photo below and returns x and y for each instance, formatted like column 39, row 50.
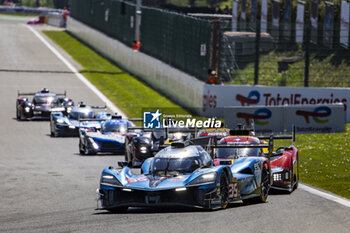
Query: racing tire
column 291, row 171
column 53, row 132
column 18, row 117
column 87, row 151
column 264, row 188
column 82, row 152
column 224, row 190
column 295, row 176
column 127, row 150
column 118, row 210
column 131, row 155
column 296, row 183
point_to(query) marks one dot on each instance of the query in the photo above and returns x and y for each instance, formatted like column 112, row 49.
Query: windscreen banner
column 234, row 16
column 287, row 19
column 281, row 119
column 263, row 19
column 253, row 8
column 299, row 25
column 328, row 26
column 314, row 22
column 344, row 24
column 275, row 31
column 243, row 17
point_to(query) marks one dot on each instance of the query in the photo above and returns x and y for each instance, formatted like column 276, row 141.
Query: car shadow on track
column 159, row 210
column 31, row 120
column 278, row 192
column 100, row 155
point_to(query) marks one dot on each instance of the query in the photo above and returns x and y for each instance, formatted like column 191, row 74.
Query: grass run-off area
column 324, row 158
column 127, row 92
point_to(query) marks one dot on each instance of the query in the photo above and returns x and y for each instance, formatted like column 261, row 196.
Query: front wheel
column 296, row 175
column 127, row 150
column 264, row 187
column 87, row 150
column 18, row 116
column 223, row 190
column 81, row 151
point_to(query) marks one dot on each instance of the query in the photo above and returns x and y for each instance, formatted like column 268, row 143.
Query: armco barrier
column 306, row 118
column 179, row 86
column 215, row 98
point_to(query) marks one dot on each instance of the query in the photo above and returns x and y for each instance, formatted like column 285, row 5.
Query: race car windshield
column 81, row 114
column 177, row 136
column 176, row 166
column 45, row 100
column 234, row 153
column 114, row 127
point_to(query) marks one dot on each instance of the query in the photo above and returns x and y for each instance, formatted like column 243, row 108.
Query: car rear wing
column 99, row 107
column 281, row 137
column 34, row 93
column 90, row 119
column 240, row 145
column 134, row 119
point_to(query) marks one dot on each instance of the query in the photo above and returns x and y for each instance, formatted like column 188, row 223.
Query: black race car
column 140, row 147
column 43, row 103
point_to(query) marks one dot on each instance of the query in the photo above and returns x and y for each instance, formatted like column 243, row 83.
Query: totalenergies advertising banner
column 305, row 118
column 216, row 97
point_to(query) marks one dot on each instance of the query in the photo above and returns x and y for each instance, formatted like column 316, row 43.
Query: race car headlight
column 93, row 143
column 27, row 109
column 143, row 149
column 110, row 179
column 277, row 177
column 203, row 179
column 60, row 121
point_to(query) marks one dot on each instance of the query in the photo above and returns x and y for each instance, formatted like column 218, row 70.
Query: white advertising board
column 305, row 118
column 216, row 97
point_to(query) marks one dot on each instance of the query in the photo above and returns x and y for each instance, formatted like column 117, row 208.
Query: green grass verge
column 324, row 160
column 127, row 92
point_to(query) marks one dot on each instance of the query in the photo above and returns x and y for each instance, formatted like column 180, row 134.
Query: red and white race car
column 284, row 164
column 283, row 161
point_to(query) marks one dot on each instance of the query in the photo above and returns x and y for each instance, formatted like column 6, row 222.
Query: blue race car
column 181, row 174
column 110, row 138
column 80, row 116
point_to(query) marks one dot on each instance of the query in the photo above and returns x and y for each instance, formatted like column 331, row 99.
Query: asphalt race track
column 46, row 186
